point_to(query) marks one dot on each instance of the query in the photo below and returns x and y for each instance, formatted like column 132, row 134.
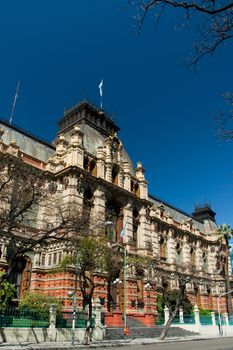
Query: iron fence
column 23, row 318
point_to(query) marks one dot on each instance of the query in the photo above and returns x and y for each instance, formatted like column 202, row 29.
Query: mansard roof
column 179, row 215
column 90, row 114
column 28, row 143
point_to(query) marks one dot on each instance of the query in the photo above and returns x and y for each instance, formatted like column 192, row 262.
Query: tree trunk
column 87, row 336
column 168, row 324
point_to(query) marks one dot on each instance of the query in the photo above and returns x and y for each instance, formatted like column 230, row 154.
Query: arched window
column 179, row 255
column 20, row 275
column 114, row 213
column 90, row 165
column 163, row 248
column 115, row 172
column 136, row 221
column 192, row 257
column 88, row 201
column 205, row 262
column 135, row 189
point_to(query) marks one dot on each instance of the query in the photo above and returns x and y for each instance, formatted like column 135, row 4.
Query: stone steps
column 146, row 332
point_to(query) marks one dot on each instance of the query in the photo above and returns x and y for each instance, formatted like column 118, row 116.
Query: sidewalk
column 101, row 344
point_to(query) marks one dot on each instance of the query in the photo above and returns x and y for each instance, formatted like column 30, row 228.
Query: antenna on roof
column 14, row 102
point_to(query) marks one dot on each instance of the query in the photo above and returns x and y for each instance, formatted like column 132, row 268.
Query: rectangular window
column 54, row 258
column 59, row 257
column 50, row 259
column 43, row 259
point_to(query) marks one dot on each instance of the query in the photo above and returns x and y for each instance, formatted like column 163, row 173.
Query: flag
column 101, row 87
column 123, row 230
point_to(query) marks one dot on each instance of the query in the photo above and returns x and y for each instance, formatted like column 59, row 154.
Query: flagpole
column 14, row 102
column 101, row 93
column 124, row 311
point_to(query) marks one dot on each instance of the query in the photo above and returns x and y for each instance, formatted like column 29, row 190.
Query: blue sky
column 60, row 50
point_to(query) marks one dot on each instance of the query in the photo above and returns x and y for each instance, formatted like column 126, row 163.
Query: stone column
column 143, row 185
column 127, row 177
column 225, row 315
column 99, row 204
column 144, row 233
column 198, row 256
column 97, row 312
column 100, row 163
column 166, row 315
column 108, row 172
column 213, row 318
column 186, row 251
column 197, row 317
column 52, row 316
column 170, row 247
column 4, row 251
column 181, row 315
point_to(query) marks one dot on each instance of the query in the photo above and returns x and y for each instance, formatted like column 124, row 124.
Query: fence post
column 213, row 318
column 98, row 309
column 225, row 315
column 181, row 315
column 197, row 318
column 52, row 316
column 166, row 314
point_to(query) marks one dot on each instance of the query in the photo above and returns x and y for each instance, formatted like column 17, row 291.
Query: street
column 213, row 344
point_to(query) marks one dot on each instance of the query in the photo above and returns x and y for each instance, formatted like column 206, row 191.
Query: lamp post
column 124, row 311
column 117, row 283
column 74, row 294
column 148, row 288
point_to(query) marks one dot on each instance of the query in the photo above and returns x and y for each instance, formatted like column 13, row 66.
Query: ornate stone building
column 89, row 166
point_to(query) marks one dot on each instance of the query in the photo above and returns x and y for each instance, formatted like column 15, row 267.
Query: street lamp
column 117, row 283
column 148, row 288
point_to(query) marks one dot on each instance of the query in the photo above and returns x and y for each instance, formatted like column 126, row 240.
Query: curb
column 67, row 346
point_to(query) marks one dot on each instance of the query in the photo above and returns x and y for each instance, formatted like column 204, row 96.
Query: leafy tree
column 225, row 119
column 23, row 191
column 7, row 293
column 174, row 300
column 169, row 299
column 214, row 21
column 39, row 303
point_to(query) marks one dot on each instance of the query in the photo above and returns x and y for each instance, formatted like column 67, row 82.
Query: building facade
column 88, row 166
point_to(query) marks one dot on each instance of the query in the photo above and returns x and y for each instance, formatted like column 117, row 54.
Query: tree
column 225, row 233
column 92, row 255
column 169, row 298
column 39, row 303
column 24, row 190
column 225, row 119
column 174, row 304
column 214, row 20
column 7, row 293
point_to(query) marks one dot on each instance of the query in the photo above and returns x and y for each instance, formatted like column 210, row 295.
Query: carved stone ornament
column 52, row 187
column 80, row 183
column 65, row 182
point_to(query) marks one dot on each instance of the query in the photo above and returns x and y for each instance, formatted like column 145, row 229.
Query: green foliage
column 169, row 299
column 39, row 303
column 204, row 312
column 7, row 293
column 225, row 232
